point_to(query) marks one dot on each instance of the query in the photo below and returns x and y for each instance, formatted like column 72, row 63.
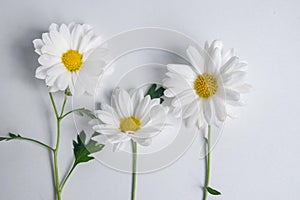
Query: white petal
column 63, row 81
column 200, row 123
column 53, row 88
column 136, row 98
column 94, row 43
column 175, row 86
column 38, row 44
column 191, row 121
column 219, row 107
column 157, row 117
column 50, row 80
column 241, row 66
column 41, row 72
column 59, row 41
column 195, row 59
column 177, row 81
column 56, row 70
column 143, row 107
column 213, row 62
column 184, row 98
column 207, row 111
column 229, row 65
column 53, row 27
column 47, row 60
column 125, row 103
column 46, row 39
column 169, row 93
column 189, row 109
column 235, row 103
column 85, row 41
column 216, row 44
column 65, row 33
column 106, row 129
column 143, row 141
column 86, row 81
column 227, row 55
column 234, row 78
column 105, row 117
column 232, row 95
column 76, row 36
column 92, row 68
column 244, row 88
column 184, row 70
column 52, row 50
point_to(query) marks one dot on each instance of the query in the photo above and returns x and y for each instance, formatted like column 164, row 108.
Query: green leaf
column 156, row 93
column 11, row 136
column 84, row 111
column 83, row 150
column 212, row 191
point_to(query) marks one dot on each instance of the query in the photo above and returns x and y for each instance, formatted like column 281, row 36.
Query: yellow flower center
column 206, row 85
column 130, row 124
column 72, row 60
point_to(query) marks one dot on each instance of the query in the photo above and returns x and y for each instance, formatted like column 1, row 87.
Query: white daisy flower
column 132, row 116
column 65, row 58
column 204, row 90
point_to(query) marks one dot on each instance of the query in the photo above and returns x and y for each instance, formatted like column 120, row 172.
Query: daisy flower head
column 131, row 116
column 66, row 58
column 205, row 90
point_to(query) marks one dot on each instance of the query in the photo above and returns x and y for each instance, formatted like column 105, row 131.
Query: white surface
column 258, row 154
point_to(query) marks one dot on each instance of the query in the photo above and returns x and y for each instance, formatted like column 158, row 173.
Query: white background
column 258, row 154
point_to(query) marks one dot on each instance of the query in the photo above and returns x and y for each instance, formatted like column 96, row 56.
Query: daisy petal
column 229, row 65
column 38, row 44
column 219, row 107
column 195, row 59
column 41, row 72
column 183, row 70
column 126, row 105
column 207, row 111
column 232, row 95
column 105, row 117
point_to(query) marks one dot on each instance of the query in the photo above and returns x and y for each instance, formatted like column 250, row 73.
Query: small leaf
column 11, row 137
column 87, row 112
column 68, row 92
column 83, row 150
column 156, row 93
column 213, row 191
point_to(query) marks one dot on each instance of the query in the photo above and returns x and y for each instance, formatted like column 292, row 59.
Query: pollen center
column 72, row 60
column 206, row 85
column 130, row 124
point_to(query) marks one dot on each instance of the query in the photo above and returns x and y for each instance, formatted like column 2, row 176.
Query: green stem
column 58, row 191
column 133, row 183
column 37, row 142
column 55, row 157
column 67, row 177
column 207, row 163
column 63, row 106
column 53, row 104
column 63, row 116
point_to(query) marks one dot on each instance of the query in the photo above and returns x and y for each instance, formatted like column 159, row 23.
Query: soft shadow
column 23, row 51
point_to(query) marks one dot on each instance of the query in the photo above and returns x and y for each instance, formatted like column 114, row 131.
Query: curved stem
column 37, row 142
column 67, row 177
column 133, row 183
column 53, row 104
column 207, row 163
column 71, row 111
